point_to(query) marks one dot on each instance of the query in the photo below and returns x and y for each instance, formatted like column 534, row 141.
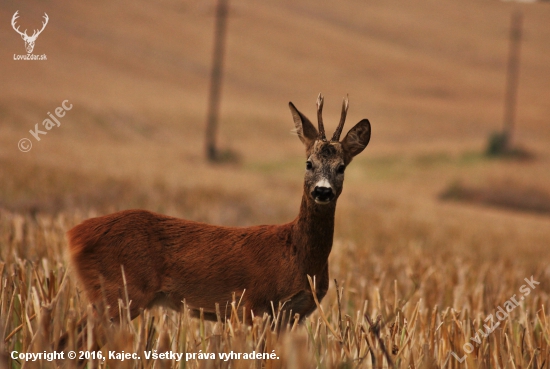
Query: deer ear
column 305, row 130
column 356, row 140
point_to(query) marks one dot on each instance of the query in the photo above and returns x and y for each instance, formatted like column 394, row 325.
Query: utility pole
column 216, row 80
column 512, row 77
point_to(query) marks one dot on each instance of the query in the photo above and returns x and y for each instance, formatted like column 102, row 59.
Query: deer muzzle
column 322, row 195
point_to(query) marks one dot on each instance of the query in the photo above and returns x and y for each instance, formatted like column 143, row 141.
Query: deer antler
column 35, row 34
column 13, row 19
column 24, row 34
column 320, row 101
column 338, row 132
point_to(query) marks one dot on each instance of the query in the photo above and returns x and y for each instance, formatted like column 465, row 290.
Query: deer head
column 327, row 160
column 29, row 40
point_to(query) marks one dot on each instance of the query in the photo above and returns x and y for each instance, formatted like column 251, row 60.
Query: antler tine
column 13, row 19
column 320, row 118
column 15, row 16
column 338, row 132
column 46, row 18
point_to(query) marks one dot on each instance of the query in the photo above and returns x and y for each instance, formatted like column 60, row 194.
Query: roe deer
column 167, row 260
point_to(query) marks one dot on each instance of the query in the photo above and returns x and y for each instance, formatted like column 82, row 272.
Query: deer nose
column 322, row 194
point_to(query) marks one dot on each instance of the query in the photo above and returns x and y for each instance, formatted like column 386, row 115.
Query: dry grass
column 423, row 304
column 407, row 296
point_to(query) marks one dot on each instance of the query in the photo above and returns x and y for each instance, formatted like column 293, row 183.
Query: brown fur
column 167, row 260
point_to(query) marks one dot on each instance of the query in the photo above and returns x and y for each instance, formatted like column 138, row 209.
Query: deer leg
column 303, row 302
column 300, row 303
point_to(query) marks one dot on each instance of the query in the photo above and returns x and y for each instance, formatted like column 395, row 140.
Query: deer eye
column 341, row 169
column 309, row 166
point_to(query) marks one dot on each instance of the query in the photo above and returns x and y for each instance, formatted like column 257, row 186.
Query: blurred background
column 430, row 76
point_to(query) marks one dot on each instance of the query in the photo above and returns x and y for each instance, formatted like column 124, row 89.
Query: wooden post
column 512, row 77
column 216, row 80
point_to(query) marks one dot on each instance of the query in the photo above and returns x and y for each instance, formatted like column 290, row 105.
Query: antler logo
column 29, row 40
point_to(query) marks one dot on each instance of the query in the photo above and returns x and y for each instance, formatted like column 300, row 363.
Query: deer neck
column 313, row 231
